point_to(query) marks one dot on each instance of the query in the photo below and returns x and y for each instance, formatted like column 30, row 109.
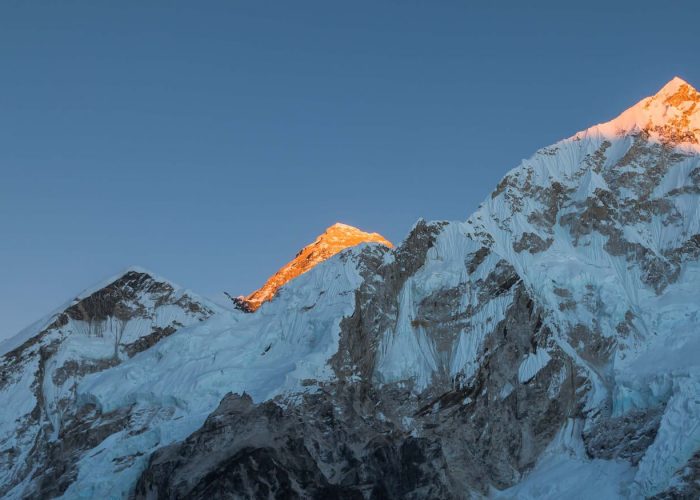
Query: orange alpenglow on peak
column 671, row 116
column 336, row 238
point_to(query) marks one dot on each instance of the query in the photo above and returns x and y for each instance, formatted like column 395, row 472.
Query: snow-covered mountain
column 335, row 239
column 42, row 367
column 547, row 347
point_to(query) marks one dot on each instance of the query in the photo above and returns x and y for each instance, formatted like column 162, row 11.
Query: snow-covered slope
column 547, row 343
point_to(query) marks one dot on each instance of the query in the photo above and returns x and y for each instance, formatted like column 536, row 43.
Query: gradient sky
column 209, row 141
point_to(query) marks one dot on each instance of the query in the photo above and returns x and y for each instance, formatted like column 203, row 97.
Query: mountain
column 336, row 238
column 546, row 347
column 42, row 368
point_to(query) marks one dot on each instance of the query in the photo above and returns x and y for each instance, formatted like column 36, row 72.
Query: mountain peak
column 339, row 226
column 677, row 93
column 333, row 240
column 676, row 85
column 671, row 116
column 347, row 235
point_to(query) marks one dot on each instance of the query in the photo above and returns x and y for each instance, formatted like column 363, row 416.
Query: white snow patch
column 532, row 364
column 506, row 390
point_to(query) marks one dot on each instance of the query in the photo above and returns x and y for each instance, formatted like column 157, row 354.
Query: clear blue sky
column 209, row 141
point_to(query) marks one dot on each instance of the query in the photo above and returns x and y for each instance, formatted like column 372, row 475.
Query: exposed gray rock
column 532, row 243
column 477, row 258
column 626, row 437
column 331, row 445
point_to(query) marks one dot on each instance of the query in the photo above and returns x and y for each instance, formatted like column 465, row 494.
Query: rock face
column 326, row 447
column 336, row 238
column 545, row 348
